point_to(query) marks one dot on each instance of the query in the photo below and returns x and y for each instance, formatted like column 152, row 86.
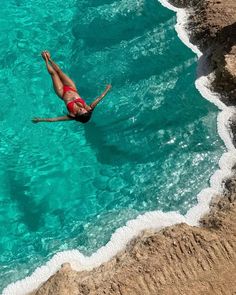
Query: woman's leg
column 64, row 78
column 57, row 83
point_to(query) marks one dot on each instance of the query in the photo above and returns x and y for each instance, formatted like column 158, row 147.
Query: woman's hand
column 36, row 120
column 98, row 99
column 108, row 87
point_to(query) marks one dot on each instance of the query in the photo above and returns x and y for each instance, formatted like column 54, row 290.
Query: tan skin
column 59, row 79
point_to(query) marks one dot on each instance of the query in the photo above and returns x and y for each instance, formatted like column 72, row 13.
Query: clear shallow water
column 152, row 143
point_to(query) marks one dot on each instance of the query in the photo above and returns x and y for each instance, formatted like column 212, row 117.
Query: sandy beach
column 180, row 259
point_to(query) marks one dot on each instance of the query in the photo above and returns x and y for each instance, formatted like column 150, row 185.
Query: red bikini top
column 70, row 104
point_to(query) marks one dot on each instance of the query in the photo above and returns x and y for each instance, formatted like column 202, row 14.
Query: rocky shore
column 179, row 259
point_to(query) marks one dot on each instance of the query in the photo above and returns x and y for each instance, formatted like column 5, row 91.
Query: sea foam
column 156, row 219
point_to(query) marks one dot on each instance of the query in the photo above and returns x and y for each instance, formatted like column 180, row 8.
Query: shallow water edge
column 150, row 220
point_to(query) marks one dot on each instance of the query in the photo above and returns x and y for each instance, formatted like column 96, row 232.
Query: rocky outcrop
column 212, row 24
column 207, row 19
column 223, row 61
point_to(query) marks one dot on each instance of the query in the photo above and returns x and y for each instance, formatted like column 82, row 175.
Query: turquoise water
column 152, row 143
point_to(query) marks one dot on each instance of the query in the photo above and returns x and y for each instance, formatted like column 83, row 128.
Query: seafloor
column 180, row 259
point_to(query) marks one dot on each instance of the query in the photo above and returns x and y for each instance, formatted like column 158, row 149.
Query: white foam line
column 150, row 220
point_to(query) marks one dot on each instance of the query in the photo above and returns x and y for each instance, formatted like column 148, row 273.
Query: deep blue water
column 152, row 143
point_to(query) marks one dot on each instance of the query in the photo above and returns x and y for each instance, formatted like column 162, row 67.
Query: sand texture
column 179, row 259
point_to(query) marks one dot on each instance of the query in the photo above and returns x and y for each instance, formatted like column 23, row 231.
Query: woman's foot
column 44, row 55
column 48, row 54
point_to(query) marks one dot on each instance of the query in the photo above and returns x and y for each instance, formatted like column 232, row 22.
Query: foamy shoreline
column 150, row 220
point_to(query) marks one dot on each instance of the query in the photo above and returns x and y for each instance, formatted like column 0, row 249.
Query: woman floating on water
column 65, row 88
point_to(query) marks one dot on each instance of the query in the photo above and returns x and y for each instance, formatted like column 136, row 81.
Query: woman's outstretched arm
column 98, row 99
column 63, row 118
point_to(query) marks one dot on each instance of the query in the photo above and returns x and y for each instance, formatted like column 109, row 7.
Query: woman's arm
column 63, row 118
column 98, row 99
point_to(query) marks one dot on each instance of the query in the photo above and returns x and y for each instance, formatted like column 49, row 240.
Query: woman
column 65, row 88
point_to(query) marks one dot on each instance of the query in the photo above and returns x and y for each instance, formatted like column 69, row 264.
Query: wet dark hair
column 83, row 118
